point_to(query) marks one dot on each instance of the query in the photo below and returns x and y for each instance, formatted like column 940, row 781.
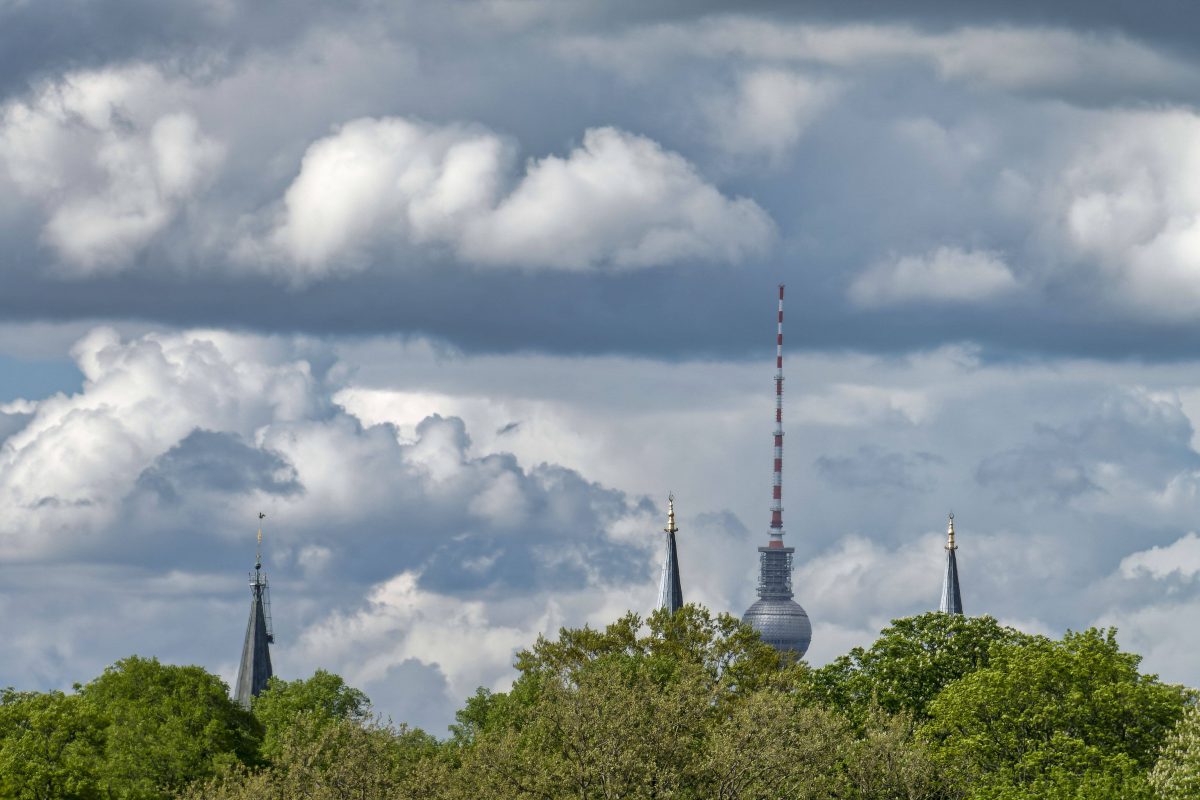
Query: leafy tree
column 725, row 649
column 1176, row 775
column 912, row 660
column 615, row 730
column 767, row 747
column 320, row 758
column 695, row 707
column 324, row 697
column 728, row 655
column 887, row 762
column 50, row 747
column 168, row 725
column 1055, row 719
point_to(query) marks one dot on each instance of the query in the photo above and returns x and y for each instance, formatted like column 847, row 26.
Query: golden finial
column 671, row 514
column 950, row 545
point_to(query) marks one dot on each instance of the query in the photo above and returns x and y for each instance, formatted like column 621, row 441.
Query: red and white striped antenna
column 777, row 477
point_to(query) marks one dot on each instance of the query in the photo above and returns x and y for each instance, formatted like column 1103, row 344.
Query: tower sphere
column 782, row 623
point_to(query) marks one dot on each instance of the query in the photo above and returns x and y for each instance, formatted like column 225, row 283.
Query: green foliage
column 51, row 746
column 320, row 757
column 1176, row 775
column 323, row 699
column 167, row 726
column 1055, row 719
column 912, row 660
column 729, row 655
column 696, row 707
column 724, row 648
column 685, row 706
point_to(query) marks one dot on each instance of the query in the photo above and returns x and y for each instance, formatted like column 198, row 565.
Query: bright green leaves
column 912, row 660
column 1050, row 718
column 320, row 700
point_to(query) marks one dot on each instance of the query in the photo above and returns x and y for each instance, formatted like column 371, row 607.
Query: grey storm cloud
column 456, row 293
column 156, row 156
column 874, row 468
column 212, row 461
column 1146, row 438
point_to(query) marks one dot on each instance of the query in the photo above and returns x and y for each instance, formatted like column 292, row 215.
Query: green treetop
column 324, row 698
column 912, row 660
column 168, row 725
column 1055, row 719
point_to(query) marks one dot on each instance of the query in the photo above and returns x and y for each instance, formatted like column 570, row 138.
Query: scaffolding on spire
column 779, row 620
column 255, row 668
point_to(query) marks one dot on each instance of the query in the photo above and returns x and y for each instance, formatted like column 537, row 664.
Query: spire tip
column 258, row 549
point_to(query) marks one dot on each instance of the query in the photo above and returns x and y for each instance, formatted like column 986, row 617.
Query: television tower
column 779, row 619
column 255, row 668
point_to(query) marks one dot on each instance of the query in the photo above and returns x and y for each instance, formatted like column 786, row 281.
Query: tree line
column 684, row 705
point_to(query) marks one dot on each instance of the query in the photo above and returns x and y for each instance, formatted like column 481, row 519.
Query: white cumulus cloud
column 943, row 274
column 1181, row 557
column 768, row 111
column 618, row 201
column 1124, row 207
column 112, row 156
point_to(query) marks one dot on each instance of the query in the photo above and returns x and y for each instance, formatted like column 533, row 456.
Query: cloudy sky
column 457, row 292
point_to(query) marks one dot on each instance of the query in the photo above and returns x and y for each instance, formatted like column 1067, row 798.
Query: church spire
column 670, row 591
column 951, row 596
column 255, row 668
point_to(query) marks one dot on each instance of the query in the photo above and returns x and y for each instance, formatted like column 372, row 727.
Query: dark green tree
column 1055, row 719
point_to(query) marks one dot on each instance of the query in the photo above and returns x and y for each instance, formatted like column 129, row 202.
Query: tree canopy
column 683, row 705
column 910, row 663
column 319, row 701
column 1056, row 719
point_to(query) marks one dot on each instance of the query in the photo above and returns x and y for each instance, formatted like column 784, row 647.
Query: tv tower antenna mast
column 777, row 473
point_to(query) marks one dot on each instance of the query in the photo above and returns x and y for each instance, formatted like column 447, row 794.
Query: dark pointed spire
column 670, row 591
column 255, row 668
column 951, row 596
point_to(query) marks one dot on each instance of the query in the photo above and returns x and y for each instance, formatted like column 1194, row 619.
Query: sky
column 457, row 292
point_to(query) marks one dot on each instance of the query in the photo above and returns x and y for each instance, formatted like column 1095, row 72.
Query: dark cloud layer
column 903, row 160
column 333, row 239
